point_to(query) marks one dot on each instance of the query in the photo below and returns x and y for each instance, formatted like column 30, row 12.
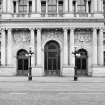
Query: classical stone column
column 9, row 47
column 33, row 6
column 65, row 46
column 94, row 49
column 70, row 6
column 71, row 46
column 65, row 6
column 4, row 6
column 38, row 6
column 100, row 48
column 39, row 55
column 3, row 47
column 32, row 44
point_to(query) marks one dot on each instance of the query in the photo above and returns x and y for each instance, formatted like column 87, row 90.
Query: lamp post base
column 30, row 78
column 75, row 78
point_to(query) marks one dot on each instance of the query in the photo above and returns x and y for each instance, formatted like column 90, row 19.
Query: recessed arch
column 52, row 58
column 22, row 62
column 82, row 62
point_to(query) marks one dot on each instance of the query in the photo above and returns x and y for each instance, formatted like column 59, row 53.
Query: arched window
column 52, row 7
column 81, row 6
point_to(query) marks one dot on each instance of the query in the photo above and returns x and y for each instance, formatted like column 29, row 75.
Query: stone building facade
column 52, row 29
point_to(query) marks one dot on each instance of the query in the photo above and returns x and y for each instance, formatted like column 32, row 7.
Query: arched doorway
column 82, row 62
column 52, row 59
column 22, row 62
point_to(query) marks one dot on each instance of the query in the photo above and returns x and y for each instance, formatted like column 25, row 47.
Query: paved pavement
column 52, row 91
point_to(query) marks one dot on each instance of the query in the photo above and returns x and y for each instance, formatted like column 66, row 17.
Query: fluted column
column 65, row 6
column 38, row 6
column 71, row 46
column 70, row 6
column 65, row 46
column 94, row 49
column 39, row 46
column 32, row 44
column 100, row 7
column 9, row 48
column 3, row 47
column 100, row 47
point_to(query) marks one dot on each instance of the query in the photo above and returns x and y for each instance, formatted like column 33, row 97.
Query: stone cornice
column 53, row 20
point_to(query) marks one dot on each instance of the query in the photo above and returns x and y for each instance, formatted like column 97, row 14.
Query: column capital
column 72, row 28
column 38, row 29
column 65, row 28
column 31, row 29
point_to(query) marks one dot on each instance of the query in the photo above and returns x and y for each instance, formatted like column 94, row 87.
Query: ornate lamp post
column 76, row 54
column 30, row 68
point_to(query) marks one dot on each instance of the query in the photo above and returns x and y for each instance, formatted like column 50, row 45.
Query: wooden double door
column 52, row 59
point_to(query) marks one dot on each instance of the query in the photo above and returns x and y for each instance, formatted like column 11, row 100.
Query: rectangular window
column 60, row 7
column 22, row 6
column 43, row 7
column 81, row 6
column 30, row 6
column 52, row 7
column 14, row 6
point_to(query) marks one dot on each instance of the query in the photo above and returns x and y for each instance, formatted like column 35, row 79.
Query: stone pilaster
column 100, row 47
column 4, row 6
column 65, row 46
column 94, row 3
column 94, row 48
column 33, row 6
column 71, row 46
column 9, row 6
column 17, row 5
column 9, row 47
column 87, row 7
column 38, row 6
column 39, row 55
column 3, row 47
column 70, row 6
column 65, row 6
column 32, row 44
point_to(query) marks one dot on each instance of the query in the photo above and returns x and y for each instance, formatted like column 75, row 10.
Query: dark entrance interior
column 52, row 59
column 22, row 63
column 81, row 63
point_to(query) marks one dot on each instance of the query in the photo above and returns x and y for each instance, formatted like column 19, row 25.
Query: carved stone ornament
column 83, row 36
column 52, row 34
column 21, row 36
